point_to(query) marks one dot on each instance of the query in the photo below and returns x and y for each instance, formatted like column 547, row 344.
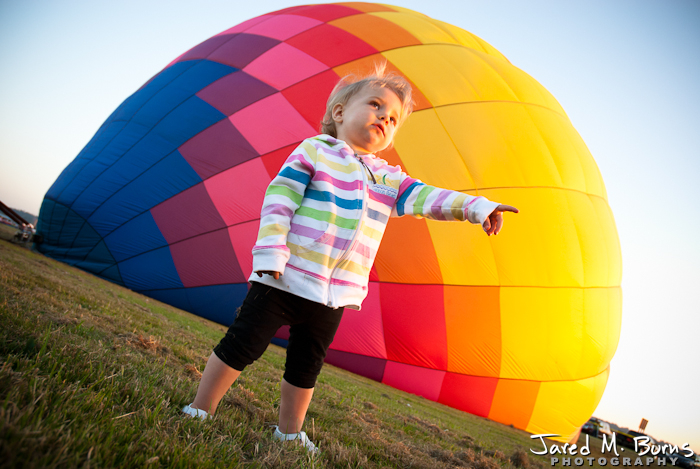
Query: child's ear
column 337, row 113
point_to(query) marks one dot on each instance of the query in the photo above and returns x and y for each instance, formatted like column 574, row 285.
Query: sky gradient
column 626, row 72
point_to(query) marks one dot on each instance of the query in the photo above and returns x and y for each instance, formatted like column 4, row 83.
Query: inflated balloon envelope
column 519, row 328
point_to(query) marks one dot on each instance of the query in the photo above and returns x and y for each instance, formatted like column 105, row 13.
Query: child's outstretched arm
column 282, row 198
column 421, row 200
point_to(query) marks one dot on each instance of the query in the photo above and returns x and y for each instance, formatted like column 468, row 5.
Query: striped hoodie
column 324, row 216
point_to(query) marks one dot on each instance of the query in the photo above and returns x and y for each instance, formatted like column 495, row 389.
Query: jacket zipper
column 365, row 183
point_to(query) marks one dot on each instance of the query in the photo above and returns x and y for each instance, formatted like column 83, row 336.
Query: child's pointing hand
column 276, row 275
column 494, row 222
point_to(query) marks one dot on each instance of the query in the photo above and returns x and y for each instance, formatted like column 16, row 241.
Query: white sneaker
column 301, row 436
column 196, row 413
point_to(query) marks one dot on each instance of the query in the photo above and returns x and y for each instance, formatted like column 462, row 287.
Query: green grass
column 94, row 375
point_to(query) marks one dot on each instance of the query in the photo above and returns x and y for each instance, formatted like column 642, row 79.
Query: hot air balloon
column 520, row 328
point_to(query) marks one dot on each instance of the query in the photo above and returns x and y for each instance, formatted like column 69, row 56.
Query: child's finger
column 486, row 226
column 507, row 208
column 492, row 224
column 499, row 224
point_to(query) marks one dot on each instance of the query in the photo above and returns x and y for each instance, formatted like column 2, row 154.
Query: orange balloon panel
column 519, row 327
column 473, row 325
column 514, row 401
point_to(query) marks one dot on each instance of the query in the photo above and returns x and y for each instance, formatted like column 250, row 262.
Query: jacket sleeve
column 421, row 200
column 282, row 198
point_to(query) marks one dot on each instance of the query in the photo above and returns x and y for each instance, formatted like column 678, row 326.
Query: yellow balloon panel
column 523, row 85
column 524, row 252
column 566, row 405
column 367, row 64
column 421, row 143
column 603, row 320
column 565, row 136
column 503, row 146
column 430, row 31
column 521, row 254
column 598, row 242
column 576, row 166
column 368, row 7
column 466, row 75
column 377, row 32
column 556, row 333
column 419, row 26
column 468, row 39
column 402, row 10
column 463, row 253
column 462, row 75
column 612, row 240
column 569, row 220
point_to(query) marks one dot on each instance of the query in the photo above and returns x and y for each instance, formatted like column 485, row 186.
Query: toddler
column 321, row 223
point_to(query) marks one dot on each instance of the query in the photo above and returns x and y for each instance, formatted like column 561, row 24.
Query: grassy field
column 94, row 375
column 7, row 232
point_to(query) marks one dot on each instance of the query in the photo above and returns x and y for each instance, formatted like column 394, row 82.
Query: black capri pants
column 264, row 310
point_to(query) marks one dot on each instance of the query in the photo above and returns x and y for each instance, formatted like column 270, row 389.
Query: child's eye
column 393, row 121
column 375, row 104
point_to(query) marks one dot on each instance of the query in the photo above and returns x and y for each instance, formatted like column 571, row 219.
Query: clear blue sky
column 626, row 72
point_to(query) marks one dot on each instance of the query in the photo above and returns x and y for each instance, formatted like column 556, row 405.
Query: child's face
column 369, row 120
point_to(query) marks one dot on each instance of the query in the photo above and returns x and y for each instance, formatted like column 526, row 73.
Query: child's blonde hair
column 350, row 85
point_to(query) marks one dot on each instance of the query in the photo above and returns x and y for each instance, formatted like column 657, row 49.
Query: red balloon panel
column 414, row 324
column 244, row 26
column 309, row 96
column 234, row 92
column 241, row 49
column 282, row 27
column 472, row 394
column 362, row 332
column 201, row 51
column 216, row 149
column 238, row 192
column 242, row 237
column 255, row 122
column 283, row 66
column 323, row 13
column 208, row 259
column 274, row 160
column 331, row 45
column 414, row 379
column 189, row 213
column 369, row 367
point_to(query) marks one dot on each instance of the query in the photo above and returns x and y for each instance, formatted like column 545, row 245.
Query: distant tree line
column 27, row 216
